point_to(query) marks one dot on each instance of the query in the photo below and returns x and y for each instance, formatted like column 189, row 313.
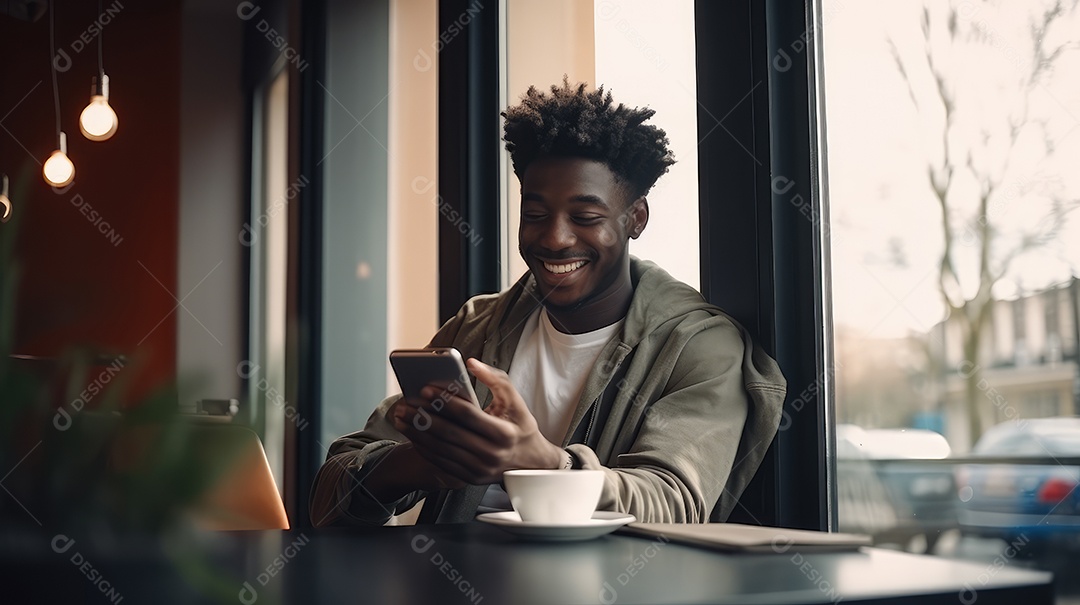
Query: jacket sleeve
column 338, row 495
column 684, row 451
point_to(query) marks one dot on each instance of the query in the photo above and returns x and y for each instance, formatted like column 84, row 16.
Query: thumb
column 474, row 365
column 486, row 374
column 497, row 381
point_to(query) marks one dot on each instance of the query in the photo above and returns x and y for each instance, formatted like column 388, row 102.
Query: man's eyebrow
column 584, row 198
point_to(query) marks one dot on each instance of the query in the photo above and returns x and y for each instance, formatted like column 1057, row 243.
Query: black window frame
column 469, row 132
column 761, row 201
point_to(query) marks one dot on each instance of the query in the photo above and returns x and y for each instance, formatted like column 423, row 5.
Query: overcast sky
column 886, row 225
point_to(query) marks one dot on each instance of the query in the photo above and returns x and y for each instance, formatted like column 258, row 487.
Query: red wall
column 78, row 287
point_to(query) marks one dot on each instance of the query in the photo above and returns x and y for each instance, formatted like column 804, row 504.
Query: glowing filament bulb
column 98, row 121
column 58, row 169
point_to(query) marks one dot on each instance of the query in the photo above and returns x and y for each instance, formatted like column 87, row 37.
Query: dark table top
column 477, row 563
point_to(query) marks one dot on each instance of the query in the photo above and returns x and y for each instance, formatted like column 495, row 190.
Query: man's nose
column 559, row 235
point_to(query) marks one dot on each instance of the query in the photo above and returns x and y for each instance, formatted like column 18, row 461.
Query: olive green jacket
column 678, row 411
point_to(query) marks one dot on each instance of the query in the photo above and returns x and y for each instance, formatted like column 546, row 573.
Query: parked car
column 920, row 493
column 1021, row 501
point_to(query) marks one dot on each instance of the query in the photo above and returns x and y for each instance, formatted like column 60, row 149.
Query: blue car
column 1031, row 503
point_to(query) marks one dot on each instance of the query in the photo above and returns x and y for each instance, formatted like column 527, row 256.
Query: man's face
column 575, row 222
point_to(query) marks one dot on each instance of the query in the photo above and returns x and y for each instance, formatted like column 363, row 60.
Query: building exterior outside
column 1028, row 363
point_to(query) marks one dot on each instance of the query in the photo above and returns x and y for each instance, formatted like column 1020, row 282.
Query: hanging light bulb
column 58, row 169
column 98, row 121
column 5, row 212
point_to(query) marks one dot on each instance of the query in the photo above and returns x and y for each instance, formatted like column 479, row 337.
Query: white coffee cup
column 554, row 496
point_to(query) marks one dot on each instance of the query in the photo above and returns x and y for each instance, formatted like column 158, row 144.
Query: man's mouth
column 563, row 268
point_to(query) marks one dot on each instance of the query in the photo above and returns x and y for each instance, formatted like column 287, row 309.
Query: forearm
column 340, row 494
column 651, row 493
column 400, row 472
column 367, row 488
column 684, row 451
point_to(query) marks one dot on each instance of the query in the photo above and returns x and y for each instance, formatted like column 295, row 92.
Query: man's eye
column 533, row 216
column 588, row 219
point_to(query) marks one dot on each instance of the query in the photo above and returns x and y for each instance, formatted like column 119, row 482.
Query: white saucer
column 602, row 522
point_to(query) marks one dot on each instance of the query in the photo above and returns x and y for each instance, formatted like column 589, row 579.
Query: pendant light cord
column 52, row 65
column 100, row 43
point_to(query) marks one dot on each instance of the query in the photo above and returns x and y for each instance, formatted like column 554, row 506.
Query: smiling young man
column 593, row 359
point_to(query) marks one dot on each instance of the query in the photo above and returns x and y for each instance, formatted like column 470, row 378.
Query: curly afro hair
column 574, row 123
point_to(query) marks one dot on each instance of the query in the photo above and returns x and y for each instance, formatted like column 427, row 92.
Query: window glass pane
column 412, row 272
column 643, row 61
column 952, row 134
column 381, row 201
column 355, row 168
column 269, row 247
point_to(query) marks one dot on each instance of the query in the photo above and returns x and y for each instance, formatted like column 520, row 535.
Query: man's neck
column 604, row 310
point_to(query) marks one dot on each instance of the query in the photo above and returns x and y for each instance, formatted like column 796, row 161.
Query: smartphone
column 439, row 366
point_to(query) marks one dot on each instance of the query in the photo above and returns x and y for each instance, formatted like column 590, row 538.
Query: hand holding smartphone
column 439, row 366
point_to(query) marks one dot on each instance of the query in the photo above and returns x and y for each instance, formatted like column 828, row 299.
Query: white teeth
column 557, row 269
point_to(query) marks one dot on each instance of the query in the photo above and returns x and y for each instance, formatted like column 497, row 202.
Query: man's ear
column 637, row 217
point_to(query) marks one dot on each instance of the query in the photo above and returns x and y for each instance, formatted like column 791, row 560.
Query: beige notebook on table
column 734, row 537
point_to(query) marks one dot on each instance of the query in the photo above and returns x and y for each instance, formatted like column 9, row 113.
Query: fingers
column 446, row 455
column 476, row 431
column 455, row 436
column 505, row 400
column 426, row 423
column 495, row 379
column 449, row 470
column 476, row 466
column 461, row 412
column 455, row 449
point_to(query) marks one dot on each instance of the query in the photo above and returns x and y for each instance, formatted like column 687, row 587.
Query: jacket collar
column 658, row 297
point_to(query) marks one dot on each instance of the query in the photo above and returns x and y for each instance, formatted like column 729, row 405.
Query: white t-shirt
column 549, row 370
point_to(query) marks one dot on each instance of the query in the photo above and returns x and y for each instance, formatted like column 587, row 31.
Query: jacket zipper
column 592, row 418
column 596, row 402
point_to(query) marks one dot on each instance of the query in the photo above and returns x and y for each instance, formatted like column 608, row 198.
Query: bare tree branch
column 903, row 72
column 978, row 157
